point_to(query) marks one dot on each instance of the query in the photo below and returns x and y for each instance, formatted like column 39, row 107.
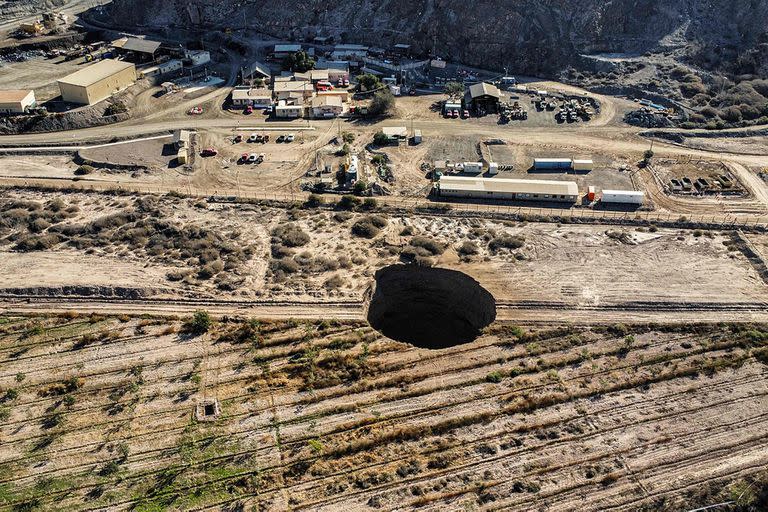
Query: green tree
column 360, row 188
column 648, row 155
column 383, row 103
column 380, row 139
column 299, row 61
column 199, row 323
column 368, row 82
column 454, row 89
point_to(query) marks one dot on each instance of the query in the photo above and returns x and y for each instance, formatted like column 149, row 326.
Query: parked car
column 238, row 138
column 346, row 82
column 209, row 152
column 268, row 110
column 248, row 110
column 252, row 158
column 253, row 138
column 244, row 158
column 290, row 137
column 281, row 138
column 466, row 114
column 265, row 139
column 195, row 111
column 455, row 114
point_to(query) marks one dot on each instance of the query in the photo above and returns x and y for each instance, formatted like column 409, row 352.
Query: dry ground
column 38, row 73
column 99, row 414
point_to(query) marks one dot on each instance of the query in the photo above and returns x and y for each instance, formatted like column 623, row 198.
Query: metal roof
column 14, row 95
column 246, row 94
column 627, row 193
column 331, row 101
column 96, row 72
column 135, row 44
column 395, row 131
column 257, row 67
column 484, row 89
column 287, row 48
column 472, row 184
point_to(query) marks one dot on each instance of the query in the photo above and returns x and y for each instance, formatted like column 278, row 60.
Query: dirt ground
column 153, row 154
column 108, row 413
column 38, row 73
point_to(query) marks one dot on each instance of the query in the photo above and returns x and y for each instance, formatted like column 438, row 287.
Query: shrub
column 380, row 139
column 348, row 137
column 369, row 203
column 200, row 323
column 379, row 159
column 84, row 169
column 468, row 249
column 288, row 265
column 360, row 188
column 494, row 377
column 291, row 235
column 348, row 202
column 506, row 242
column 368, row 227
column 383, row 103
column 115, row 108
column 313, row 201
column 432, row 246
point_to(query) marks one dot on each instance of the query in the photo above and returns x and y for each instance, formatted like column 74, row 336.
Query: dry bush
column 369, row 226
column 290, row 235
column 506, row 241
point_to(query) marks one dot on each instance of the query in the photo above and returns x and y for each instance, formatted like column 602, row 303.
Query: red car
column 248, row 110
column 195, row 111
column 209, row 152
column 455, row 114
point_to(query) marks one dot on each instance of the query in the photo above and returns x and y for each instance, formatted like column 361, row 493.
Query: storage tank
column 623, row 197
column 552, row 163
column 583, row 165
column 474, row 167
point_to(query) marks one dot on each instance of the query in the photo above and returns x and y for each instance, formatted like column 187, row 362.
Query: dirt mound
column 429, row 307
column 82, row 291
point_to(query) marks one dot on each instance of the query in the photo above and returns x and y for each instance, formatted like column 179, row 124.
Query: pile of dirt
column 429, row 307
column 94, row 115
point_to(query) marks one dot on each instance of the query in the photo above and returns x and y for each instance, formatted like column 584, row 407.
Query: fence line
column 725, row 220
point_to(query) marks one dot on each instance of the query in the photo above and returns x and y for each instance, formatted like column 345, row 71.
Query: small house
column 395, row 134
column 326, row 106
column 285, row 110
column 249, row 96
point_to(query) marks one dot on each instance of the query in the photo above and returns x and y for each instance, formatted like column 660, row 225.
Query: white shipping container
column 583, row 165
column 473, row 166
column 623, row 197
column 493, row 168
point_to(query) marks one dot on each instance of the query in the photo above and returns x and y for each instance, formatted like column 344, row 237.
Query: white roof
column 96, row 72
column 331, row 101
column 249, row 94
column 477, row 184
column 292, row 86
column 628, row 193
column 350, row 47
column 395, row 131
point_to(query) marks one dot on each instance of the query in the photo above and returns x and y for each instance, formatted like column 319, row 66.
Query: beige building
column 97, row 82
column 289, row 110
column 326, row 106
column 16, row 101
column 286, row 89
column 257, row 98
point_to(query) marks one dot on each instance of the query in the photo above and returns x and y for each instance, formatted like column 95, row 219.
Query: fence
column 415, row 204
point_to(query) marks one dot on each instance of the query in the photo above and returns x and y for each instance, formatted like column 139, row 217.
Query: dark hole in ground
column 429, row 307
column 209, row 409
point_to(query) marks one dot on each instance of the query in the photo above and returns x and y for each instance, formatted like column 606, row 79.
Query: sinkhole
column 430, row 308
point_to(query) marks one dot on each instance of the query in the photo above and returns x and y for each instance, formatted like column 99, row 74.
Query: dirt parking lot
column 39, row 73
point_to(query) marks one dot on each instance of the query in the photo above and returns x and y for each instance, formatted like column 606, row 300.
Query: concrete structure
column 483, row 97
column 257, row 98
column 497, row 188
column 326, row 106
column 16, row 101
column 97, row 82
column 182, row 138
column 287, row 110
column 493, row 168
column 631, row 197
column 287, row 89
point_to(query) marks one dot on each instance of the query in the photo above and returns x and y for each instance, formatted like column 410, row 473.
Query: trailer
column 549, row 164
column 473, row 167
column 634, row 197
column 493, row 168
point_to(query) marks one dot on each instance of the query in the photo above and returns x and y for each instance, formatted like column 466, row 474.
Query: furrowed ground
column 101, row 413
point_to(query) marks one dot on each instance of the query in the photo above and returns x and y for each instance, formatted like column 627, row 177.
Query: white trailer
column 473, row 167
column 493, row 168
column 623, row 197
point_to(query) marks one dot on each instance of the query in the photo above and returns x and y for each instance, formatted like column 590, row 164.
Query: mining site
column 383, row 256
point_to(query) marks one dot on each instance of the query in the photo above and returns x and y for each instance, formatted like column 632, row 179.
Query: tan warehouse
column 97, row 82
column 497, row 188
column 16, row 101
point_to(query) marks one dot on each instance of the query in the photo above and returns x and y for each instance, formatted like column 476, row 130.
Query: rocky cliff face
column 523, row 35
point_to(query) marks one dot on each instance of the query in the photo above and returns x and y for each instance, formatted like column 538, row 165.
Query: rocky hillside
column 524, row 35
column 12, row 9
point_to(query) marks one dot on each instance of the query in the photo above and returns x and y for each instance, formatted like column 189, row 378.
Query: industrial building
column 137, row 50
column 17, row 101
column 249, row 96
column 497, row 188
column 483, row 97
column 197, row 57
column 282, row 51
column 97, row 82
column 153, row 73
